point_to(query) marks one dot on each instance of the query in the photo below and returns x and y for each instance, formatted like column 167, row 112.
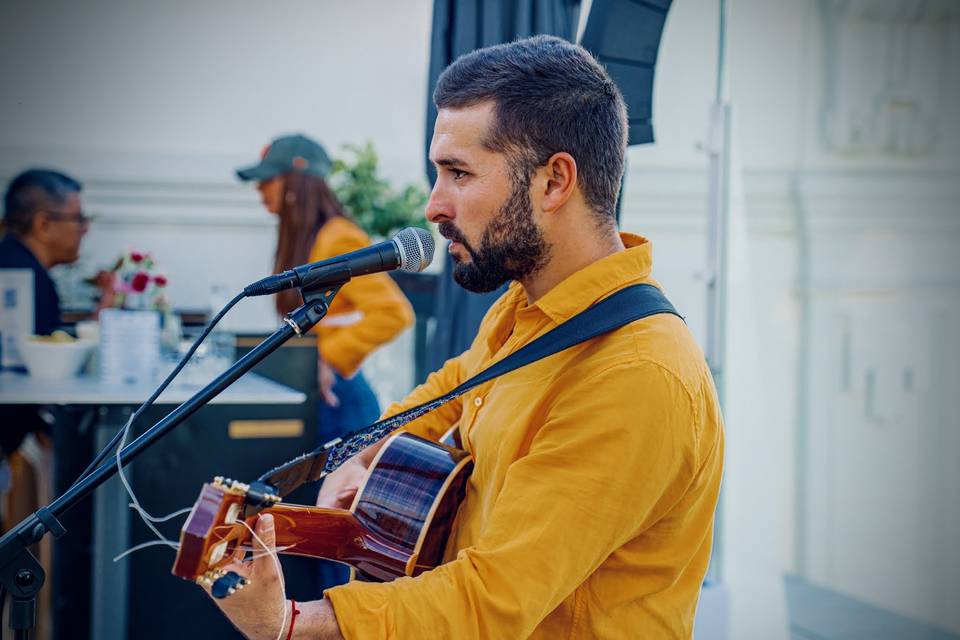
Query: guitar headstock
column 214, row 534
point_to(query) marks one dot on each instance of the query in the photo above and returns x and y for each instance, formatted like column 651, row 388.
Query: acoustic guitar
column 397, row 525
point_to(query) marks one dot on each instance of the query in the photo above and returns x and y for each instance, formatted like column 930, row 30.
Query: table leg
column 111, row 536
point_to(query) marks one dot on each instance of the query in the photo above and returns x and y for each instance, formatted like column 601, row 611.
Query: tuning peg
column 240, row 585
column 228, row 584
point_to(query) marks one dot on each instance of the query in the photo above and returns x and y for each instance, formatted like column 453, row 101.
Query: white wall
column 152, row 105
column 856, row 231
column 215, row 79
column 851, row 210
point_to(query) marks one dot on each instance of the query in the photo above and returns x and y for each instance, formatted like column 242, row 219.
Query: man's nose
column 438, row 207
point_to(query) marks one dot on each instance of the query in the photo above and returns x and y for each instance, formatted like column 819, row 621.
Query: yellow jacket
column 368, row 312
column 589, row 513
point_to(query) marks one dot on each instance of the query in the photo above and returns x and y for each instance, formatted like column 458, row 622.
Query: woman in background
column 367, row 312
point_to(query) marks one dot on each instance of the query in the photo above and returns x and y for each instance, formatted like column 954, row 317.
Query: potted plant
column 380, row 209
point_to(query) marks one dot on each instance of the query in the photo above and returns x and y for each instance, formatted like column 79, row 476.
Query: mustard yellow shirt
column 369, row 311
column 589, row 513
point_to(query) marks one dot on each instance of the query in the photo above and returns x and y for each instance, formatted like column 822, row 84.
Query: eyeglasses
column 80, row 218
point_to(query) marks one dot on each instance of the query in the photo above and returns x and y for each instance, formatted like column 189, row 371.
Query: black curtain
column 459, row 27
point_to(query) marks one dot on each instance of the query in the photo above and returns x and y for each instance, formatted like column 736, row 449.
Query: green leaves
column 377, row 206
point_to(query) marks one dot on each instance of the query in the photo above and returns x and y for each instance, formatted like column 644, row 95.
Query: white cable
column 276, row 561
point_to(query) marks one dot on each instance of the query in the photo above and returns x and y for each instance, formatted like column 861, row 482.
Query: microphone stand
column 21, row 576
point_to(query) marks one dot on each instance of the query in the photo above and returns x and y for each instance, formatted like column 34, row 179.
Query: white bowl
column 46, row 359
column 88, row 330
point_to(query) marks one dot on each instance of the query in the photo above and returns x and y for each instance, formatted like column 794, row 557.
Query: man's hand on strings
column 259, row 608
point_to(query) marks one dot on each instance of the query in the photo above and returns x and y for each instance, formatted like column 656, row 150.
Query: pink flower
column 136, row 256
column 121, row 286
column 140, row 282
column 160, row 281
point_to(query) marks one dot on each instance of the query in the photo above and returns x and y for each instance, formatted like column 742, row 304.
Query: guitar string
column 256, row 556
column 155, row 543
column 144, row 545
column 169, row 516
column 276, row 561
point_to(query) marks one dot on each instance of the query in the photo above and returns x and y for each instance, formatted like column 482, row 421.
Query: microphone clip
column 316, row 302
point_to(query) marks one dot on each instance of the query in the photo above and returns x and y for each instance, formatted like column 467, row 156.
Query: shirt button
column 477, row 401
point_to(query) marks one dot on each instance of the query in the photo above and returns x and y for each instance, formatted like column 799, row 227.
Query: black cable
column 149, row 402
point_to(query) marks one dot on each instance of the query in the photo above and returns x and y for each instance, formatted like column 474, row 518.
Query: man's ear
column 39, row 225
column 560, row 172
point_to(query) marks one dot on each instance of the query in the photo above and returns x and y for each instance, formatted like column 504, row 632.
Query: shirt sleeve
column 384, row 313
column 614, row 455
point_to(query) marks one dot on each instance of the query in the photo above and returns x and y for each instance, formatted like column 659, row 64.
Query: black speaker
column 624, row 35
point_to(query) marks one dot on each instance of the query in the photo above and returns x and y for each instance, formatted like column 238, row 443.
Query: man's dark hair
column 33, row 191
column 550, row 96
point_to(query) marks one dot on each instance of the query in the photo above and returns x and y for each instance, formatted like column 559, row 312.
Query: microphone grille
column 415, row 247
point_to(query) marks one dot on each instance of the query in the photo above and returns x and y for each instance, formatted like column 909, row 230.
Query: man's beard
column 512, row 246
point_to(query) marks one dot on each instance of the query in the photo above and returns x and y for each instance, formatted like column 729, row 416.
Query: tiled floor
column 821, row 614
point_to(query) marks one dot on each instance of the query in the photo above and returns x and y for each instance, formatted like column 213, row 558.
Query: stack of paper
column 129, row 346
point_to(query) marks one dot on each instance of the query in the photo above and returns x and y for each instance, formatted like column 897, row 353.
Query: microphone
column 410, row 250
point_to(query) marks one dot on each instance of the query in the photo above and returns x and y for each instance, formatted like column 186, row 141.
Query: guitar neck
column 336, row 534
column 314, row 531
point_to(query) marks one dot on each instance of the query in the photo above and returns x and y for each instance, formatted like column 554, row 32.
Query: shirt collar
column 599, row 279
column 18, row 245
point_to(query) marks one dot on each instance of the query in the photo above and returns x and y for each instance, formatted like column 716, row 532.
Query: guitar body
column 409, row 501
column 397, row 526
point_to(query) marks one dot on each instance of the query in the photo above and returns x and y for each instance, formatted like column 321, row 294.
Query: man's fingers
column 266, row 539
column 346, row 496
column 266, row 564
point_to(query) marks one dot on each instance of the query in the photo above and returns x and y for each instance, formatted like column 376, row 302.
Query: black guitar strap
column 623, row 307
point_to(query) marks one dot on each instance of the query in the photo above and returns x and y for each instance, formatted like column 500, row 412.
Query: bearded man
column 589, row 512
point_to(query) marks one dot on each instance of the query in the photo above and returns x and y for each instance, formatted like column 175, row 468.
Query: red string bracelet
column 294, row 612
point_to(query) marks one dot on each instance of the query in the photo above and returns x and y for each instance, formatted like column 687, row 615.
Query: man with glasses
column 43, row 224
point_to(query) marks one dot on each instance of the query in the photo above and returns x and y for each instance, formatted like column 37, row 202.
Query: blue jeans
column 358, row 408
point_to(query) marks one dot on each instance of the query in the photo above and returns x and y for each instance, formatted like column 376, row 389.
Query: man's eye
column 457, row 173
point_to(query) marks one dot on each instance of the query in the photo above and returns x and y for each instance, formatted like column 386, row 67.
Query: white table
column 111, row 526
column 16, row 388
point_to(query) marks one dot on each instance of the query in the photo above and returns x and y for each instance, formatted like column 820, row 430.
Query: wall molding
column 164, row 189
column 831, row 201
